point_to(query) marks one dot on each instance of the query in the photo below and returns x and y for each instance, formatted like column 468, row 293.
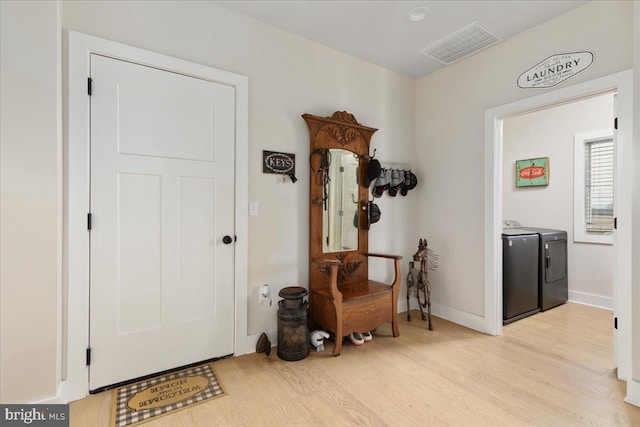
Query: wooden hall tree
column 342, row 299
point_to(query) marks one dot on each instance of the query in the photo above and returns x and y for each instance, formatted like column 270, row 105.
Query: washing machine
column 520, row 261
column 553, row 281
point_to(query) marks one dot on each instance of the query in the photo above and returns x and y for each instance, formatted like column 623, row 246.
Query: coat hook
column 369, row 158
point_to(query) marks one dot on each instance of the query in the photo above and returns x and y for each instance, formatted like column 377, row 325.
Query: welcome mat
column 155, row 397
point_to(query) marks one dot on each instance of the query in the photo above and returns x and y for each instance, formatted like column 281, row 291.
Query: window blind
column 599, row 185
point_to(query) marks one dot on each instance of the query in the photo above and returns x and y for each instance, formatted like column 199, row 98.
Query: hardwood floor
column 552, row 369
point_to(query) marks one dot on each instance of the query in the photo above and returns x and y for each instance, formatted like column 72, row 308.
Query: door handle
column 227, row 239
column 547, row 262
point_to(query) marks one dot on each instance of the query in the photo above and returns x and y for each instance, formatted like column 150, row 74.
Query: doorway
column 567, row 136
column 494, row 178
column 161, row 202
column 75, row 311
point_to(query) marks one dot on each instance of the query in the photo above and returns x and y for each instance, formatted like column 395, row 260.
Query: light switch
column 253, row 208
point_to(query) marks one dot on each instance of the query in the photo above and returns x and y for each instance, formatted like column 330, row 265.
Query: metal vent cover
column 466, row 41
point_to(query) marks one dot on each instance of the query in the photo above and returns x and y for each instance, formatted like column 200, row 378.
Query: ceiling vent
column 464, row 42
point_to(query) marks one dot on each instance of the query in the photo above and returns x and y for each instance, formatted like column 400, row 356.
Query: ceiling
column 381, row 32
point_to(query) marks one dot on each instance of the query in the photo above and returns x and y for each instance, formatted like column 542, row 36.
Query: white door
column 162, row 201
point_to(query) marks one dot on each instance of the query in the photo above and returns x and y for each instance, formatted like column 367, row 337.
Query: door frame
column 493, row 182
column 79, row 48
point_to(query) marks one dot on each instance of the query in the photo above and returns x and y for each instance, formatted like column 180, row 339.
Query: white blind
column 599, row 185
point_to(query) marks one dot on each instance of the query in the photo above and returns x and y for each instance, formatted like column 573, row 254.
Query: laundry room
column 558, row 175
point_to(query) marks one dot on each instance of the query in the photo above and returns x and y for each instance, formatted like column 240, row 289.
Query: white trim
column 623, row 83
column 594, row 300
column 493, row 221
column 80, row 46
column 580, row 233
column 633, row 393
column 469, row 320
column 252, row 340
column 57, row 399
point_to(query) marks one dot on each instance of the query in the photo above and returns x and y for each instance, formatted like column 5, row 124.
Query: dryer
column 553, row 281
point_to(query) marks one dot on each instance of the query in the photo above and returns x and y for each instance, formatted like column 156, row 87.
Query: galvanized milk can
column 293, row 333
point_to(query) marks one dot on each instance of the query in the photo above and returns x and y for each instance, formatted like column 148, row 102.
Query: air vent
column 464, row 42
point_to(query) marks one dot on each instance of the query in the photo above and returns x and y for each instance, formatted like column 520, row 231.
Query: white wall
column 30, row 201
column 288, row 76
column 450, row 106
column 550, row 133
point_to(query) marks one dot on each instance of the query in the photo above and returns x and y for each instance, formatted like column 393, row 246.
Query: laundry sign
column 555, row 70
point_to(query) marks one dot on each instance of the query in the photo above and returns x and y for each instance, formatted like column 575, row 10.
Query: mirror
column 340, row 218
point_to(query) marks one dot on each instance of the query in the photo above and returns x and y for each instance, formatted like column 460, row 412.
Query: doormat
column 156, row 397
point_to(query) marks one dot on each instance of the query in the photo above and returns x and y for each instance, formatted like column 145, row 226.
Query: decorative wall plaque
column 555, row 70
column 532, row 172
column 278, row 163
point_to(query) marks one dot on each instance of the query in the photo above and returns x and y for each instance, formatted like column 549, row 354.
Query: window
column 594, row 187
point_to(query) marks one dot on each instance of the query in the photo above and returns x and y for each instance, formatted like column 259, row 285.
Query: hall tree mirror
column 342, row 298
column 340, row 218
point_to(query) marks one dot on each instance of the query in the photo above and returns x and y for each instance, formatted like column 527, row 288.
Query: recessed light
column 418, row 14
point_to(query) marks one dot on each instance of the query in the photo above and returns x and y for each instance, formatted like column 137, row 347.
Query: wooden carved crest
column 340, row 128
column 343, row 116
column 343, row 135
column 345, row 270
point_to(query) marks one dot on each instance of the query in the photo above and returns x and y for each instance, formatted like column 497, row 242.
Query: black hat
column 410, row 182
column 373, row 170
column 374, row 213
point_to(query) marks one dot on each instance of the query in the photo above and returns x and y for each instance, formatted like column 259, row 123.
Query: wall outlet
column 263, row 293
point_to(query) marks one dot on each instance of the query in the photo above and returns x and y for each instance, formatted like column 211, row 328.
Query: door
column 555, row 258
column 162, row 199
column 554, row 284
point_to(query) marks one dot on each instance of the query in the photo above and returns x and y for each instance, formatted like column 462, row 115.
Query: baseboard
column 54, row 400
column 591, row 299
column 469, row 320
column 633, row 393
column 402, row 304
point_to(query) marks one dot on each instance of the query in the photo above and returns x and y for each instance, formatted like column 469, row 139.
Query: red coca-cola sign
column 532, row 172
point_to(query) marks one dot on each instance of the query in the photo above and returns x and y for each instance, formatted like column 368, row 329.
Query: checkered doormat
column 155, row 397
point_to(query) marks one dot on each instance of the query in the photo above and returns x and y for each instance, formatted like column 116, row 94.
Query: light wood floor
column 551, row 369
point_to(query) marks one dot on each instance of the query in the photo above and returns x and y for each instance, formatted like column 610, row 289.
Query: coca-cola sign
column 555, row 70
column 532, row 172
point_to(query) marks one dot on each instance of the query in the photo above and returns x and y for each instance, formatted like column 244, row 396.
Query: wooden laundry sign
column 555, row 70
